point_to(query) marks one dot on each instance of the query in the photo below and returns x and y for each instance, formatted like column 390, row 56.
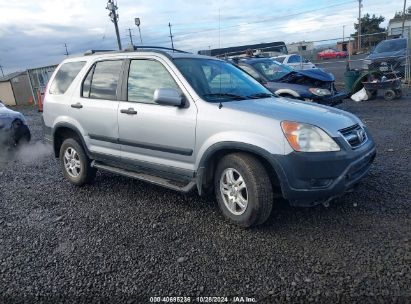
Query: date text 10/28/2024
column 236, row 299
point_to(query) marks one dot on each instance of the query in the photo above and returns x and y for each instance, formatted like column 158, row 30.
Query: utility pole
column 65, row 45
column 403, row 18
column 343, row 34
column 114, row 18
column 1, row 69
column 131, row 37
column 137, row 22
column 171, row 36
column 359, row 24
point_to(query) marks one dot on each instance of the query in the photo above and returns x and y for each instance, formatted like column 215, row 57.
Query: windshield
column 216, row 80
column 271, row 69
column 394, row 45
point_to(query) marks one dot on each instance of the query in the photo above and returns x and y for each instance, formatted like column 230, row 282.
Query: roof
column 399, row 19
column 11, row 76
column 143, row 51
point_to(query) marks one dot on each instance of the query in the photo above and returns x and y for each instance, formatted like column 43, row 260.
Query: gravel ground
column 121, row 240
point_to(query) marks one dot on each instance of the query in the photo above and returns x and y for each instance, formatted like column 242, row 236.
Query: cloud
column 33, row 33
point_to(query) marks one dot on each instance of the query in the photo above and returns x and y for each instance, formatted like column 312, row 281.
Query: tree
column 370, row 25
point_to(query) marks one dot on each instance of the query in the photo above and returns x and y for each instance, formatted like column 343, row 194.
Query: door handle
column 77, row 105
column 128, row 111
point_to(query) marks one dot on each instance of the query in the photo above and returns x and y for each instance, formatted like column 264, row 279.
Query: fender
column 72, row 128
column 239, row 146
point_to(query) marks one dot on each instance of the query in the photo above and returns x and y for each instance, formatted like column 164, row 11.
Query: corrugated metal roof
column 10, row 76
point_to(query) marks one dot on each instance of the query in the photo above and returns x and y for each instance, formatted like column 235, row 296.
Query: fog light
column 320, row 183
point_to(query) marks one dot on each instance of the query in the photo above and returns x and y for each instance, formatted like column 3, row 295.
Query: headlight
column 366, row 63
column 308, row 138
column 319, row 92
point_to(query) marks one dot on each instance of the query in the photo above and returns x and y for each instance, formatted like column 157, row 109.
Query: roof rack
column 91, row 52
column 132, row 48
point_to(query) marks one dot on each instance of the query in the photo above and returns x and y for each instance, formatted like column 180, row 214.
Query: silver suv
column 185, row 121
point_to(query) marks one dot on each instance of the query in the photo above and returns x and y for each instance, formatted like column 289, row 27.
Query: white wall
column 6, row 93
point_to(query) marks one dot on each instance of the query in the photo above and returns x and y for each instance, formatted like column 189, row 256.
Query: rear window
column 65, row 77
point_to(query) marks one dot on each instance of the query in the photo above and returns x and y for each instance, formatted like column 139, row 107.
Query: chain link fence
column 380, row 60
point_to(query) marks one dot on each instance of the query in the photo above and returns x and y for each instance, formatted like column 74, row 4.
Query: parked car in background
column 331, row 54
column 13, row 127
column 295, row 61
column 388, row 56
column 186, row 122
column 310, row 85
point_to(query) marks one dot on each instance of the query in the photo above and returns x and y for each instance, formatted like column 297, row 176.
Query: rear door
column 95, row 107
column 152, row 135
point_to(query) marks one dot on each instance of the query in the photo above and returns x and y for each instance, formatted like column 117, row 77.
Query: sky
column 33, row 33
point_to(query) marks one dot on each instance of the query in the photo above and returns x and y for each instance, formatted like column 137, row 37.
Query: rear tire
column 389, row 95
column 75, row 164
column 243, row 190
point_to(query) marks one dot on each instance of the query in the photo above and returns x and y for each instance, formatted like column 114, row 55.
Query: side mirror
column 168, row 97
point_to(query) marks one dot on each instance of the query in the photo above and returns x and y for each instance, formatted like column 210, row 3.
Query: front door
column 153, row 135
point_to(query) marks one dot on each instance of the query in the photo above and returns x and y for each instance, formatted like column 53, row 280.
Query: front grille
column 354, row 135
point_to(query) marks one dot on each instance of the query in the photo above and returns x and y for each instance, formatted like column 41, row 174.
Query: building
column 349, row 46
column 278, row 47
column 39, row 77
column 395, row 26
column 302, row 46
column 15, row 89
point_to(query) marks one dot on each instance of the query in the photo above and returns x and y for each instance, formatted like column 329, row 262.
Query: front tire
column 75, row 164
column 243, row 190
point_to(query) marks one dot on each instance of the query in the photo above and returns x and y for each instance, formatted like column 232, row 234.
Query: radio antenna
column 219, row 46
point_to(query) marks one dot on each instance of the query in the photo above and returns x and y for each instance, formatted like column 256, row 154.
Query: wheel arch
column 282, row 92
column 210, row 158
column 65, row 130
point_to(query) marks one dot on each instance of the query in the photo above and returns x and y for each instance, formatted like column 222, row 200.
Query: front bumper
column 308, row 179
column 331, row 100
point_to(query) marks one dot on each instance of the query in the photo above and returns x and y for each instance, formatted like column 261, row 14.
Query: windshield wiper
column 229, row 95
column 260, row 95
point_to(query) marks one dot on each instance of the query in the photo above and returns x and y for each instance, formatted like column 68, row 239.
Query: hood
column 318, row 74
column 399, row 53
column 328, row 118
column 8, row 113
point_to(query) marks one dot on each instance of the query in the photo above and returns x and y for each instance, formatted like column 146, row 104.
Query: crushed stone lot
column 122, row 240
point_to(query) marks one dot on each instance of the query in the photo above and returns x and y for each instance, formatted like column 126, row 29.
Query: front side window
column 216, row 80
column 65, row 76
column 145, row 76
column 102, row 80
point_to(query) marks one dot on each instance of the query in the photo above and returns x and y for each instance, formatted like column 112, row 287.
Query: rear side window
column 65, row 76
column 102, row 80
